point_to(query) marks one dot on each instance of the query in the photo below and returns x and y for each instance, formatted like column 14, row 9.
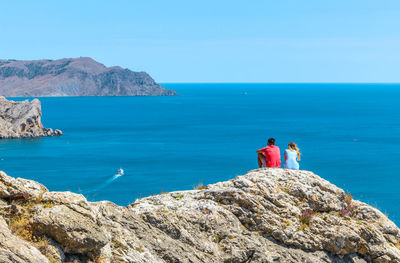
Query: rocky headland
column 73, row 77
column 22, row 119
column 266, row 215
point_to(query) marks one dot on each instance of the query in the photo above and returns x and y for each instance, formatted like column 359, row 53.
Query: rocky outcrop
column 73, row 77
column 267, row 215
column 22, row 119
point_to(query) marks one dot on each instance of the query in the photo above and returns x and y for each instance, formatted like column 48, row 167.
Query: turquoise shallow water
column 348, row 133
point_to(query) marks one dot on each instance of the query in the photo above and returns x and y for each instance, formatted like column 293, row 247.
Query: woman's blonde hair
column 293, row 146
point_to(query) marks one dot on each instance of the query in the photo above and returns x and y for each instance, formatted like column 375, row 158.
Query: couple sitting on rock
column 270, row 156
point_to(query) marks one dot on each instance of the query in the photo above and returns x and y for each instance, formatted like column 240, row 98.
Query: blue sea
column 348, row 133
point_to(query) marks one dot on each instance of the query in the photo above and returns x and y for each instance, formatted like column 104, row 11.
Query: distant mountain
column 73, row 77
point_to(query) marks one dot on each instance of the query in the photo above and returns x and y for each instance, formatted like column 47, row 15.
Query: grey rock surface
column 19, row 119
column 257, row 217
column 73, row 77
column 14, row 249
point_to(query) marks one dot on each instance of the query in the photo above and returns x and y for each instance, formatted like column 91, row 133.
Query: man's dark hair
column 271, row 141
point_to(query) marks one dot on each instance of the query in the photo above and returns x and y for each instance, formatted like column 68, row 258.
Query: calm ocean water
column 348, row 133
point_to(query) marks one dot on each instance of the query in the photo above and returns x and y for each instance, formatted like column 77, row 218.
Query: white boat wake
column 107, row 182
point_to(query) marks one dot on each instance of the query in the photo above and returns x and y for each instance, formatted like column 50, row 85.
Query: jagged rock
column 16, row 250
column 52, row 250
column 75, row 232
column 58, row 132
column 22, row 119
column 73, row 77
column 257, row 217
column 19, row 188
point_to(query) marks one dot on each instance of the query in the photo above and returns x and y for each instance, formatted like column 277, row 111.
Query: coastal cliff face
column 19, row 119
column 73, row 77
column 267, row 215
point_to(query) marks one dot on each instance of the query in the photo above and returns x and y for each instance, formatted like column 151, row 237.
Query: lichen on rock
column 256, row 217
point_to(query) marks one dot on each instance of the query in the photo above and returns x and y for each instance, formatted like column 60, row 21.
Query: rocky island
column 266, row 215
column 22, row 119
column 73, row 77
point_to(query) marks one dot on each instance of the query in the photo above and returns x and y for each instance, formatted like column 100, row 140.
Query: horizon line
column 251, row 82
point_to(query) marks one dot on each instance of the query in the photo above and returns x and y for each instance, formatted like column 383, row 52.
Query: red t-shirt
column 272, row 156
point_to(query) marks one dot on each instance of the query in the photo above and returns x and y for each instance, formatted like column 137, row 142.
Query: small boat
column 120, row 171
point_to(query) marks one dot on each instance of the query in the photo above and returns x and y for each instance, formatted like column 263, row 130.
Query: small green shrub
column 178, row 197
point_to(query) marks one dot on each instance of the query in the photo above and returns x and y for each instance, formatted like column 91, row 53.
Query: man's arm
column 260, row 151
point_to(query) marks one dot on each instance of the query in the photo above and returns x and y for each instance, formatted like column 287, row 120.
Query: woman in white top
column 292, row 156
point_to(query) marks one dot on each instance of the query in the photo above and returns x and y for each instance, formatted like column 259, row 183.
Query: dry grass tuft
column 100, row 259
column 20, row 226
column 43, row 245
column 200, row 187
column 139, row 249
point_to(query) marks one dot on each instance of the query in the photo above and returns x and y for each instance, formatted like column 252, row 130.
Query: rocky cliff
column 73, row 77
column 19, row 119
column 267, row 215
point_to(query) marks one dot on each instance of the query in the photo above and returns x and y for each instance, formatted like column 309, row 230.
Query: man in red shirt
column 269, row 156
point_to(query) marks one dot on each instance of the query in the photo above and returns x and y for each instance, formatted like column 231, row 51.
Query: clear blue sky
column 214, row 40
